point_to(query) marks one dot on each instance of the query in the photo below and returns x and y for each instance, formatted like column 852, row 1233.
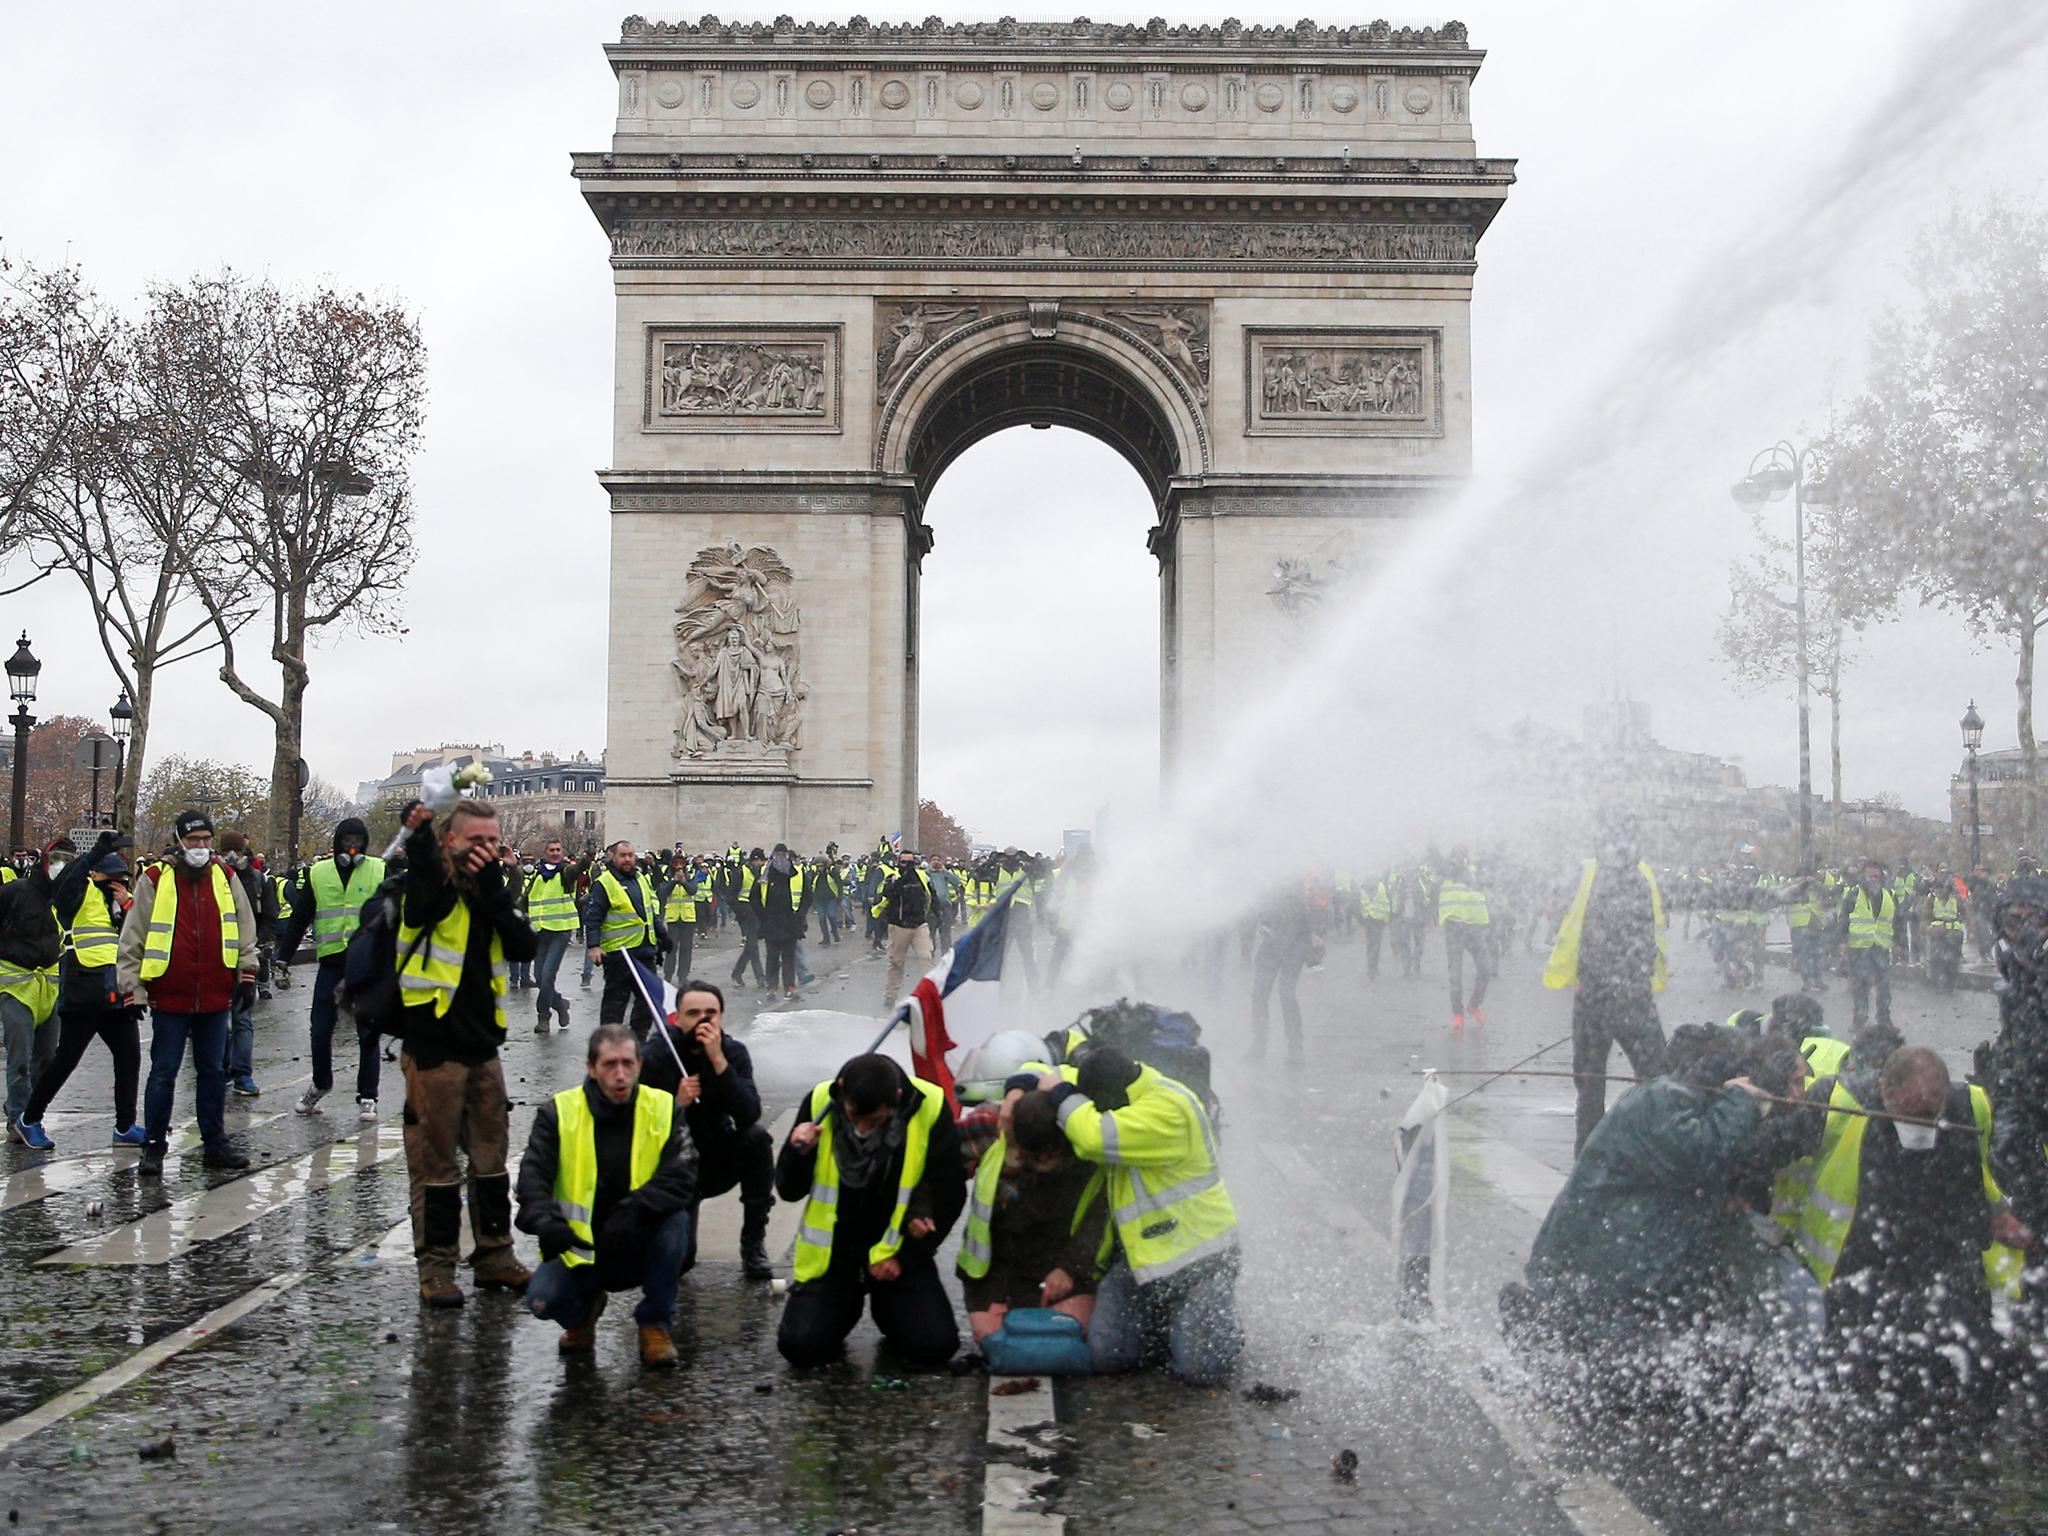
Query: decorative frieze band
column 1118, row 243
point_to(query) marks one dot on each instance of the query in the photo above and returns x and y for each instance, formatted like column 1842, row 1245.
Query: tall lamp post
column 22, row 671
column 1773, row 473
column 1973, row 738
column 122, row 716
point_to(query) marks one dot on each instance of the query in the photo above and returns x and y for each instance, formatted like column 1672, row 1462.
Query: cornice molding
column 1009, row 34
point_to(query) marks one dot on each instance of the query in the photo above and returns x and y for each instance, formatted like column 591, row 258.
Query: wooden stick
column 1768, row 1098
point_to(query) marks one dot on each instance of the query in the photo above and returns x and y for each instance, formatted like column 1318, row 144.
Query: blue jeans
column 369, row 1064
column 562, row 1293
column 29, row 1050
column 241, row 1056
column 547, row 965
column 208, row 1033
column 1190, row 1320
column 588, row 966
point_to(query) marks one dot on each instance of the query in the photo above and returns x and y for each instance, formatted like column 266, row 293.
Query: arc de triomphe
column 1242, row 256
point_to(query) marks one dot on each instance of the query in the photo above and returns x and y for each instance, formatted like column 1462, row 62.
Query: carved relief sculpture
column 737, row 663
column 1342, row 382
column 915, row 330
column 1179, row 331
column 713, row 378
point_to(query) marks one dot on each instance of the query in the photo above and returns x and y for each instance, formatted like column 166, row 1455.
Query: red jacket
column 196, row 982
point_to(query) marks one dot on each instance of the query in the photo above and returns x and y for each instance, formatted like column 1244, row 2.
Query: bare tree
column 1847, row 592
column 313, row 406
column 43, row 344
column 125, row 508
column 1944, row 457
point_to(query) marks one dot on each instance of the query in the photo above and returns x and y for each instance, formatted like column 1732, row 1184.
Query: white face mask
column 198, row 858
column 1916, row 1138
column 58, row 865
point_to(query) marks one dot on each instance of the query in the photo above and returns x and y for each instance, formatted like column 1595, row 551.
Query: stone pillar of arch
column 844, row 254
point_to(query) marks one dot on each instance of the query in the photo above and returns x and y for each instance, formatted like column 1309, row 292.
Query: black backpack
column 369, row 966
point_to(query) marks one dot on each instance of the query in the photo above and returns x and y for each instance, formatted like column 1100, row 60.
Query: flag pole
column 660, row 1025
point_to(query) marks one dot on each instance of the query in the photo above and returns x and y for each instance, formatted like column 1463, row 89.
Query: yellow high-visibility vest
column 163, row 918
column 1562, row 969
column 576, row 1157
column 625, row 928
column 821, row 1210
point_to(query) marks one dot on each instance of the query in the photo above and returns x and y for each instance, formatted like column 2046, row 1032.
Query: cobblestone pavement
column 333, row 1402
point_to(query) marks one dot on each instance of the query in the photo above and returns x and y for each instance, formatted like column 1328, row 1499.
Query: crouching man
column 875, row 1157
column 1037, row 1230
column 607, row 1184
column 1171, row 1293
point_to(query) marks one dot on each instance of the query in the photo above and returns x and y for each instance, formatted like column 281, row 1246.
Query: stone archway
column 843, row 254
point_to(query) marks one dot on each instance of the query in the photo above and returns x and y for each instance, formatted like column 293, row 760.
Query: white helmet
column 998, row 1058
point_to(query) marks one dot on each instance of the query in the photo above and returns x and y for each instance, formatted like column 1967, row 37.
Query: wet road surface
column 335, row 1402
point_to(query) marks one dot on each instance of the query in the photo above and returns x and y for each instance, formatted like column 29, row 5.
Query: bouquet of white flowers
column 440, row 787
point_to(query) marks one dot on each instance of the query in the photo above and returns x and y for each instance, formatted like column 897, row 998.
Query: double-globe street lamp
column 22, row 671
column 1774, row 473
column 1973, row 738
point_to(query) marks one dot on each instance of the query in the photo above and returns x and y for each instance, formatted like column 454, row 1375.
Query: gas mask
column 349, row 858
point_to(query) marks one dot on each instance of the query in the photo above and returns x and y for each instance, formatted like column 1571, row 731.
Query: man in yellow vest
column 1171, row 1292
column 1610, row 951
column 623, row 925
column 1375, row 911
column 458, row 932
column 874, row 1157
column 327, row 904
column 1467, row 927
column 1904, row 1221
column 183, row 951
column 686, row 888
column 1868, row 925
column 1942, row 915
column 607, row 1183
column 549, row 900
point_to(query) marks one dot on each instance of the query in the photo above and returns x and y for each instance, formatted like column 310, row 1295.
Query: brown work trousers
column 448, row 1107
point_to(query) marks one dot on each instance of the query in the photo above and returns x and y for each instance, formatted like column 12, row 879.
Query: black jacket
column 598, row 903
column 672, row 1189
column 905, row 901
column 469, row 1030
column 781, row 918
column 864, row 1212
column 730, row 1102
column 29, row 936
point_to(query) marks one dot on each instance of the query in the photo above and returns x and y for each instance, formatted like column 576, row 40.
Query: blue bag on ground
column 1037, row 1341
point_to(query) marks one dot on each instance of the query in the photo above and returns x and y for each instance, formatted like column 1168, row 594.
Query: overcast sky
column 1709, row 207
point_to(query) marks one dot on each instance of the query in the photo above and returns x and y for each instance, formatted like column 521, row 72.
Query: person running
column 328, row 903
column 90, row 900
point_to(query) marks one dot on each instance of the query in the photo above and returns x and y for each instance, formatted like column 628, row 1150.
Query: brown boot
column 657, row 1349
column 508, row 1275
column 440, row 1291
column 582, row 1339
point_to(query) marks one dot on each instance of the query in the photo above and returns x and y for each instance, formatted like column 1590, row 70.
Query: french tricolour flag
column 960, row 997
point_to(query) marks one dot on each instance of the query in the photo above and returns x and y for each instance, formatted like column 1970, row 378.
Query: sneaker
column 224, row 1155
column 541, row 1025
column 562, row 1011
column 309, row 1101
column 366, row 1111
column 134, row 1136
column 32, row 1136
column 263, row 994
column 151, row 1165
column 245, row 1088
column 1478, row 1015
column 586, row 983
column 789, row 994
column 1457, row 1021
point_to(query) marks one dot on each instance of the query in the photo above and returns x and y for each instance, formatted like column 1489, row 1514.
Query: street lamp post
column 1973, row 738
column 22, row 671
column 1777, row 470
column 123, row 717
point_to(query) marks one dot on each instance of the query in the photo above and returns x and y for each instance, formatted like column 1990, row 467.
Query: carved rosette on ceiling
column 754, row 378
column 738, row 664
column 1343, row 382
column 1039, row 243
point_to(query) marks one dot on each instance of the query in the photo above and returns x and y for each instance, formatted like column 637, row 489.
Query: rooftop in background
column 1010, row 35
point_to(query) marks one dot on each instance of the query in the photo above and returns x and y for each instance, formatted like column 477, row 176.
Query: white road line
column 147, row 1359
column 719, row 1219
column 1589, row 1500
column 1008, row 1504
column 1523, row 1181
column 182, row 1225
